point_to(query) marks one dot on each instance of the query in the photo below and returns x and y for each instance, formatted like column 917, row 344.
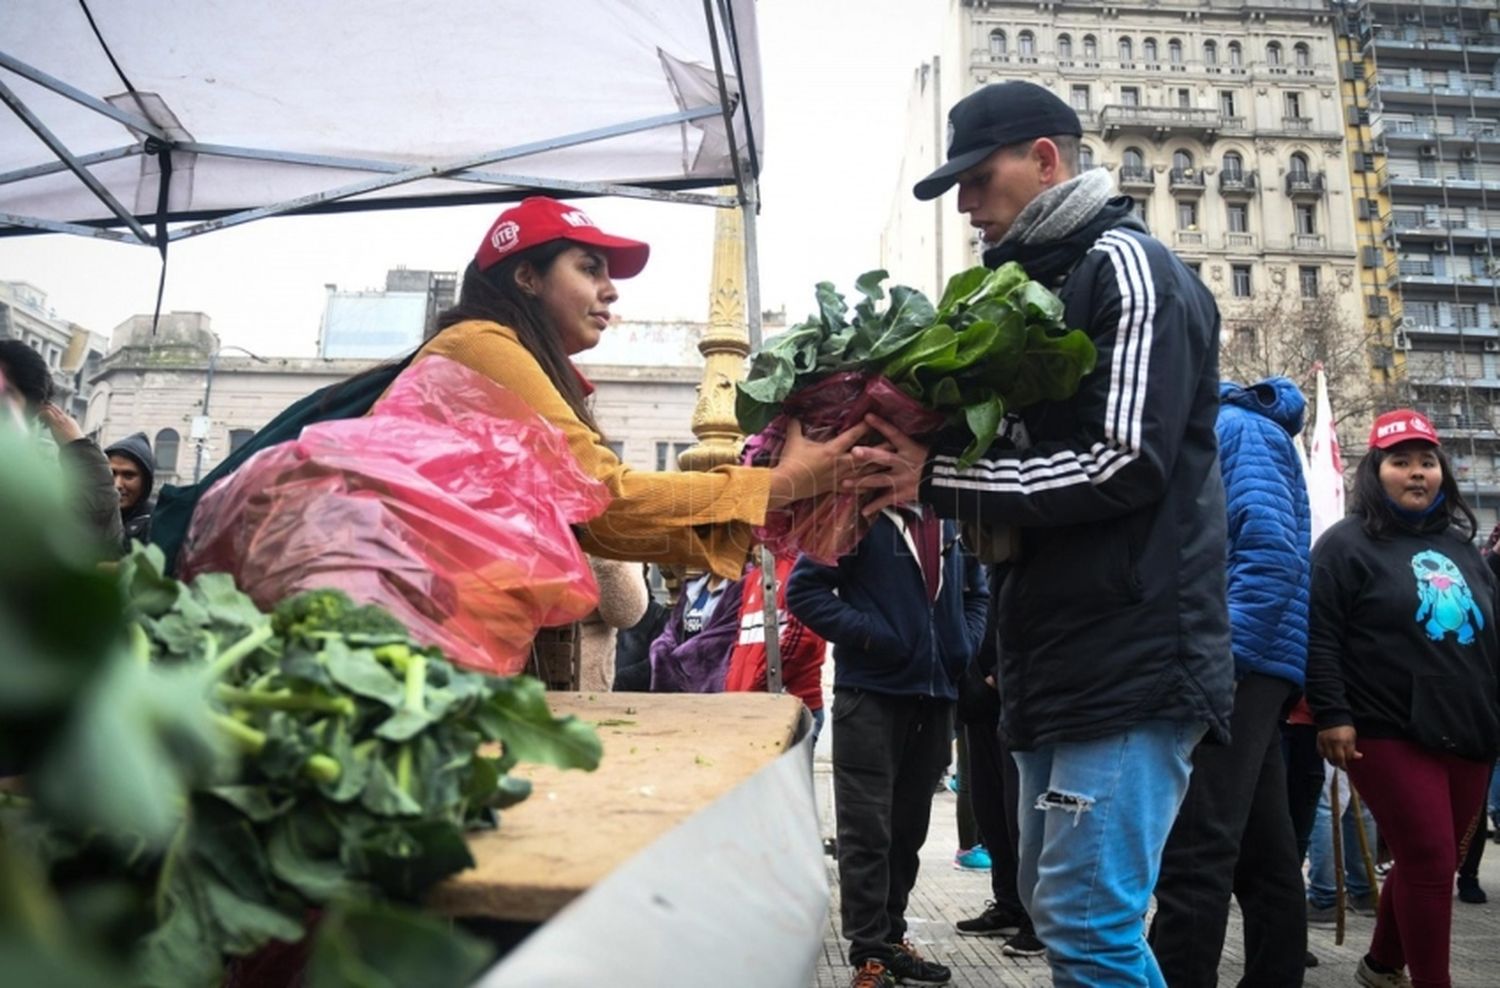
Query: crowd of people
column 1146, row 664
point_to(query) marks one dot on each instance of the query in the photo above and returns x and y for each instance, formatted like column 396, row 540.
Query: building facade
column 71, row 351
column 1222, row 119
column 160, row 384
column 1422, row 81
column 380, row 324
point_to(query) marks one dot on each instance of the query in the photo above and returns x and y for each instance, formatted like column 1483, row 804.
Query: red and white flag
column 1325, row 468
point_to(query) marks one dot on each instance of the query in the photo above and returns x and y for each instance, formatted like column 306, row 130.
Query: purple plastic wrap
column 450, row 505
column 830, row 526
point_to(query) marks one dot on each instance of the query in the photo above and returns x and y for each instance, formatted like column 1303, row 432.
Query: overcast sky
column 836, row 76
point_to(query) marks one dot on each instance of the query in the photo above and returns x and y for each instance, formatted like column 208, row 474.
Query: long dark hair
column 1370, row 502
column 493, row 295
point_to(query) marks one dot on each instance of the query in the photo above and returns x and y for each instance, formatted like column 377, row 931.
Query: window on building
column 1236, row 54
column 1197, row 268
column 1298, row 167
column 1148, row 51
column 1133, row 162
column 1273, row 53
column 1468, row 170
column 1307, row 218
column 1064, row 49
column 1307, row 278
column 1090, row 49
column 1210, row 53
column 1234, row 166
column 1130, row 96
column 1184, row 98
column 997, row 44
column 617, row 447
column 1174, row 51
column 1242, row 339
column 1127, row 52
column 1240, row 280
column 1079, row 98
column 1302, row 56
column 1182, row 161
column 1026, row 46
column 1187, row 214
column 1226, row 103
column 1085, row 157
column 1238, row 217
column 1138, row 208
column 1293, row 105
column 238, row 438
column 166, row 445
column 667, row 454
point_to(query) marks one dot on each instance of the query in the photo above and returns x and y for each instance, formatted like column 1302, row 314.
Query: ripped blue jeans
column 1094, row 818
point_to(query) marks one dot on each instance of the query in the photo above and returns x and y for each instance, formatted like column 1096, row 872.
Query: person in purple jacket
column 691, row 655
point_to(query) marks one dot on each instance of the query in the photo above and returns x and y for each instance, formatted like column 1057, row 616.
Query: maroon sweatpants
column 1426, row 805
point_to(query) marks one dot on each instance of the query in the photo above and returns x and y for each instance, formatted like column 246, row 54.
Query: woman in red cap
column 538, row 292
column 1402, row 671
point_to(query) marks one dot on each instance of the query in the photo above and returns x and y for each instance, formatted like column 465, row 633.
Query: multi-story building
column 1221, row 118
column 71, row 352
column 379, row 324
column 1423, row 83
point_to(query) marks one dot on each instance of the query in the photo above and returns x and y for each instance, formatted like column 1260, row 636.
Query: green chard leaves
column 995, row 343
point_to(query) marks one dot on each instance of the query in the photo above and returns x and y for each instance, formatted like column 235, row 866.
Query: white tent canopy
column 286, row 105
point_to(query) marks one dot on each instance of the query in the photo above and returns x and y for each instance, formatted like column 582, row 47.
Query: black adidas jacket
column 1114, row 613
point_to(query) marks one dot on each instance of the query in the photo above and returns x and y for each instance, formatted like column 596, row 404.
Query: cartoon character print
column 1446, row 603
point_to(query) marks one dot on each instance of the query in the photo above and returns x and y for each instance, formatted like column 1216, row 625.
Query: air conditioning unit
column 1441, row 246
column 1468, row 154
column 1427, row 151
column 1412, row 17
column 1401, row 341
column 1482, row 248
column 1492, row 346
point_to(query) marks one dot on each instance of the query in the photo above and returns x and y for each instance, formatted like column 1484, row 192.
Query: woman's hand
column 807, row 468
column 894, row 468
column 1337, row 745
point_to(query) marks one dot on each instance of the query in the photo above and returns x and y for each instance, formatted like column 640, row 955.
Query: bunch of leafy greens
column 995, row 343
column 201, row 778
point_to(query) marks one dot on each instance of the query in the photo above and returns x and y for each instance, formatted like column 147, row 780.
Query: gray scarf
column 1062, row 209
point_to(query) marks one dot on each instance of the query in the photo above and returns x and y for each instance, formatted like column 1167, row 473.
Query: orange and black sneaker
column 909, row 968
column 872, row 974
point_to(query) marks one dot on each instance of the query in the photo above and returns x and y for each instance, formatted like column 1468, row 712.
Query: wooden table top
column 666, row 756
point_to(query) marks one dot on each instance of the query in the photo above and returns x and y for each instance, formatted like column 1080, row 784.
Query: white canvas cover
column 395, row 85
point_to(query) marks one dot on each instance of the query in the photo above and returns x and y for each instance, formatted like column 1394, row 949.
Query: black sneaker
column 872, row 974
column 1470, row 892
column 909, row 968
column 993, row 922
column 1023, row 944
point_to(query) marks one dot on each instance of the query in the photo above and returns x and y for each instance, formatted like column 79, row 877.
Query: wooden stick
column 1365, row 851
column 1338, row 859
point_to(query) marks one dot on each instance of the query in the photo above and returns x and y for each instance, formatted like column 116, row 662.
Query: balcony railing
column 1239, row 241
column 1188, row 238
column 1159, row 120
column 1241, row 183
column 1186, row 180
column 1305, row 184
column 1297, row 124
column 1136, row 178
column 1307, row 241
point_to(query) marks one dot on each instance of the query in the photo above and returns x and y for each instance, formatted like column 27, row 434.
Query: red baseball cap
column 1402, row 426
column 538, row 219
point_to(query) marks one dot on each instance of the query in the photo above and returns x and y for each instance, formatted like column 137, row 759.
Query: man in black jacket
column 134, row 467
column 905, row 613
column 1114, row 633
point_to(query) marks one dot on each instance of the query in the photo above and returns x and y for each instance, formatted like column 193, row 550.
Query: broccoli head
column 330, row 611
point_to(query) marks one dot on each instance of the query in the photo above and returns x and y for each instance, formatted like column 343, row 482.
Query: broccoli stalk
column 416, row 683
column 320, row 767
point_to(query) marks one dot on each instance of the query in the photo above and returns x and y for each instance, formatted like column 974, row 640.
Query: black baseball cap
column 1000, row 114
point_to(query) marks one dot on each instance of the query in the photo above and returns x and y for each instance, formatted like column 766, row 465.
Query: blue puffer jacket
column 1270, row 526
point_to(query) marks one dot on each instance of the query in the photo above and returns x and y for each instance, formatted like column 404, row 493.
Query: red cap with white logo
column 538, row 219
column 1402, row 426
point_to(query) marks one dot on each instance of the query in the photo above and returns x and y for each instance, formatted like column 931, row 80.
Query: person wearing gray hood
column 134, row 468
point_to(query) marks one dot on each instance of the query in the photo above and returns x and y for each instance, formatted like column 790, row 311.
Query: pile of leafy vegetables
column 995, row 343
column 199, row 780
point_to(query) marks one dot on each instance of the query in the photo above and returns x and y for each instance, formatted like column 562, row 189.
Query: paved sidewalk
column 944, row 895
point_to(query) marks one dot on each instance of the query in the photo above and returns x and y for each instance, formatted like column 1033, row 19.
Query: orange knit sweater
column 694, row 519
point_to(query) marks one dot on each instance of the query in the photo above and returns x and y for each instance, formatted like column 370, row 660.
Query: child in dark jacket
column 905, row 614
column 1402, row 673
